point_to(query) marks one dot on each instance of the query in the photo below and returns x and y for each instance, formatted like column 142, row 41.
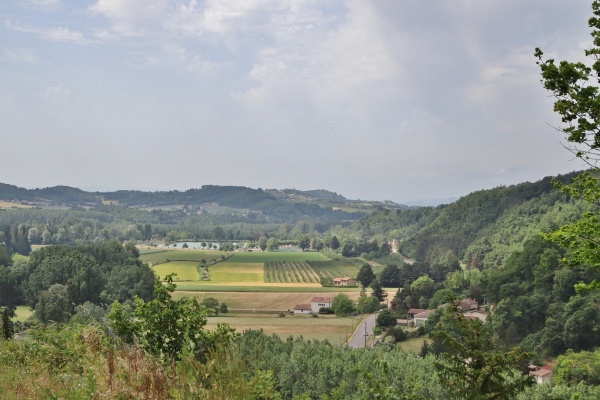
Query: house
column 467, row 304
column 302, row 309
column 346, row 281
column 413, row 311
column 542, row 375
column 420, row 318
column 318, row 302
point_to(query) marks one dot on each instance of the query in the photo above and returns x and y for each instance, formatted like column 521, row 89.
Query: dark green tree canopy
column 365, row 275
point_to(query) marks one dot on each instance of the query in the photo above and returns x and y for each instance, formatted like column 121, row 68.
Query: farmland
column 282, row 270
column 336, row 330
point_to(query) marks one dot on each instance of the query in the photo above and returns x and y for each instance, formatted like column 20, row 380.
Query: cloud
column 55, row 94
column 58, row 34
column 20, row 55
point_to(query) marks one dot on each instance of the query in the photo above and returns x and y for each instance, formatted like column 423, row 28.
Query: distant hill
column 279, row 205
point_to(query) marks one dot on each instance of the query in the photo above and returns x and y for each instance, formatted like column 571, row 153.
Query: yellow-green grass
column 239, row 273
column 413, row 344
column 336, row 330
column 185, row 270
column 262, row 301
column 8, row 204
column 180, row 255
column 23, row 313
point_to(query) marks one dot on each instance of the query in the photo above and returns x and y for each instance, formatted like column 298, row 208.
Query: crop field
column 290, row 272
column 274, row 256
column 262, row 301
column 235, row 272
column 330, row 269
column 185, row 270
column 336, row 330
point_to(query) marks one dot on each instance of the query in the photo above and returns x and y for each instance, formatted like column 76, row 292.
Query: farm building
column 302, row 309
column 346, row 281
column 319, row 302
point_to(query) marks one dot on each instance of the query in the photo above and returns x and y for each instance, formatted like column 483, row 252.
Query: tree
column 212, row 305
column 367, row 305
column 334, row 243
column 378, row 291
column 470, row 366
column 572, row 368
column 387, row 319
column 304, row 242
column 342, row 305
column 272, row 244
column 365, row 275
column 262, row 243
column 54, row 305
column 166, row 327
column 578, row 104
column 390, row 276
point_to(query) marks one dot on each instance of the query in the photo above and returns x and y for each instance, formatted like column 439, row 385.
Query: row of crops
column 290, row 272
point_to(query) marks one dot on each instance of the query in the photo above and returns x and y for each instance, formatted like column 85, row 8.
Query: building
column 346, row 281
column 302, row 309
column 319, row 302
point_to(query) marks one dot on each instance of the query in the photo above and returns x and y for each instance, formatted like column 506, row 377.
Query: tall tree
column 578, row 103
column 365, row 275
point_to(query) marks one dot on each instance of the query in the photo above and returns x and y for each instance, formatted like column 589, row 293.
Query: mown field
column 263, row 301
column 336, row 330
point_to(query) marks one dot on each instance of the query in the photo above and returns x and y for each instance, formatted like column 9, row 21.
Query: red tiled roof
column 302, row 307
column 321, row 300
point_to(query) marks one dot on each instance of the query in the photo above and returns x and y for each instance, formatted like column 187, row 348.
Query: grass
column 235, row 272
column 413, row 344
column 23, row 313
column 185, row 270
column 161, row 256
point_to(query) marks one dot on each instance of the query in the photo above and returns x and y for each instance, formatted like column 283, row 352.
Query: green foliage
column 365, row 275
column 470, row 366
column 573, row 367
column 378, row 292
column 165, row 327
column 367, row 304
column 390, row 276
column 387, row 319
column 342, row 305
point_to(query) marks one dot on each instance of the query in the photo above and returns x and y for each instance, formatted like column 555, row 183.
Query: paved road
column 358, row 340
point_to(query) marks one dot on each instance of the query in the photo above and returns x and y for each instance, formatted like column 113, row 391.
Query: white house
column 302, row 309
column 317, row 302
column 542, row 375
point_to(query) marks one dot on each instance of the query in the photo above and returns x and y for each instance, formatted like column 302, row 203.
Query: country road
column 358, row 340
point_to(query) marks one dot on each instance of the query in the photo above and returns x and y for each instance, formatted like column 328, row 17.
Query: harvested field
column 262, row 301
column 334, row 329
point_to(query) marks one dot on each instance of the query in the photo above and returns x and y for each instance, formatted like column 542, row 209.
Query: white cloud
column 59, row 34
column 20, row 55
column 56, row 94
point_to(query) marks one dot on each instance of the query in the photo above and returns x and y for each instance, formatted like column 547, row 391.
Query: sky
column 398, row 100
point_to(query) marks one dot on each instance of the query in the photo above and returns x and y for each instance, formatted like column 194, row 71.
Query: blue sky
column 373, row 99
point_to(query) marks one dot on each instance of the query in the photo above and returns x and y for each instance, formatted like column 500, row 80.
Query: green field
column 159, row 256
column 23, row 313
column 230, row 272
column 273, row 256
column 185, row 270
column 264, row 287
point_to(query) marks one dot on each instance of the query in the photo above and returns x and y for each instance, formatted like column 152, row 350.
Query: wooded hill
column 286, row 205
column 481, row 228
